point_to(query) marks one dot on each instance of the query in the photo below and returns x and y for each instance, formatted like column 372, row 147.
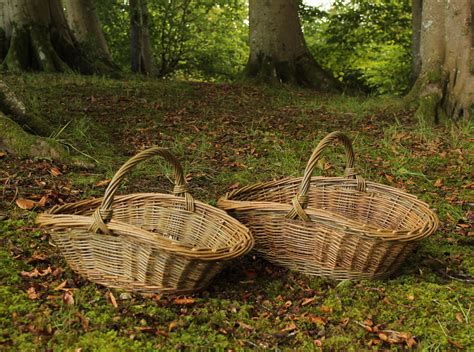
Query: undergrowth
column 228, row 136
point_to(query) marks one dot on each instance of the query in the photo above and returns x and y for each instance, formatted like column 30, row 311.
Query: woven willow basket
column 147, row 242
column 340, row 227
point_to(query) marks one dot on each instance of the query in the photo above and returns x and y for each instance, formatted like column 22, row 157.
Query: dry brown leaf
column 411, row 297
column 2, row 154
column 455, row 343
column 289, row 327
column 61, row 286
column 32, row 293
column 42, row 202
column 325, row 309
column 26, row 204
column 344, row 322
column 389, row 178
column 55, row 172
column 307, row 301
column 460, row 317
column 45, row 272
column 288, row 304
column 438, row 183
column 113, row 300
column 410, row 342
column 68, row 298
column 184, row 300
column 317, row 320
column 173, row 325
column 33, row 273
column 246, row 326
column 103, row 183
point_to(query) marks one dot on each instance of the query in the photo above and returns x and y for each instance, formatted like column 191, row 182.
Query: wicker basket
column 147, row 242
column 341, row 227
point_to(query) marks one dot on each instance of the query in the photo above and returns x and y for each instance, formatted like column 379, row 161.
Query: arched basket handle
column 103, row 214
column 300, row 201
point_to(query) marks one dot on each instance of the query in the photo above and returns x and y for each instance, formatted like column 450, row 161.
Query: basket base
column 120, row 283
column 315, row 269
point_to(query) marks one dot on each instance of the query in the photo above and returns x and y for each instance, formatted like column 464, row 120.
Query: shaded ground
column 228, row 136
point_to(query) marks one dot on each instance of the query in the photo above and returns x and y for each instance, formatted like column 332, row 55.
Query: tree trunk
column 141, row 52
column 37, row 37
column 416, row 33
column 14, row 139
column 445, row 85
column 84, row 22
column 278, row 51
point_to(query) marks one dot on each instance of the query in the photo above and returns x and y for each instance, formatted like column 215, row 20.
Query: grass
column 228, row 135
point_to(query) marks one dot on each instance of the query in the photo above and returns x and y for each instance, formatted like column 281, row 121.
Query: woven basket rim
column 229, row 203
column 63, row 217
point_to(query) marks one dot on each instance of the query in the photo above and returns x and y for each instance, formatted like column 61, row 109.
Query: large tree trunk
column 141, row 52
column 278, row 51
column 445, row 85
column 37, row 37
column 84, row 22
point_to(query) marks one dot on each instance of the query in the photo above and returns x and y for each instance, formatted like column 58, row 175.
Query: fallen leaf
column 438, row 183
column 389, row 178
column 60, row 286
column 307, row 301
column 173, row 325
column 184, row 300
column 455, row 343
column 317, row 320
column 325, row 309
column 459, row 317
column 26, row 204
column 33, row 273
column 161, row 333
column 410, row 342
column 37, row 257
column 113, row 300
column 2, row 154
column 42, row 202
column 68, row 298
column 32, row 293
column 411, row 297
column 289, row 327
column 55, row 172
column 84, row 321
column 246, row 326
column 344, row 322
column 103, row 183
column 288, row 304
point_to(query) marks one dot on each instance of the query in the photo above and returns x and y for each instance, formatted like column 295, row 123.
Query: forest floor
column 227, row 136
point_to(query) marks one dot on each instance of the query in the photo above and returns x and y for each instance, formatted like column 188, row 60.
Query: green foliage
column 364, row 43
column 199, row 39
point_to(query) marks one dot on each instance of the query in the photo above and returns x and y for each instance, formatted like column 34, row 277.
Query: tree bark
column 38, row 38
column 278, row 51
column 445, row 85
column 14, row 139
column 84, row 22
column 416, row 34
column 141, row 51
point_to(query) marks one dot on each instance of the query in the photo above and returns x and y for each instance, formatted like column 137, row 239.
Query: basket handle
column 103, row 214
column 300, row 201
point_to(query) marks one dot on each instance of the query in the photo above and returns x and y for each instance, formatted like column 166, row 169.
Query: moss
column 44, row 53
column 428, row 107
column 15, row 140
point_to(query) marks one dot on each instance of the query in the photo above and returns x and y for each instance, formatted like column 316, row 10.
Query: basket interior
column 379, row 206
column 165, row 215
